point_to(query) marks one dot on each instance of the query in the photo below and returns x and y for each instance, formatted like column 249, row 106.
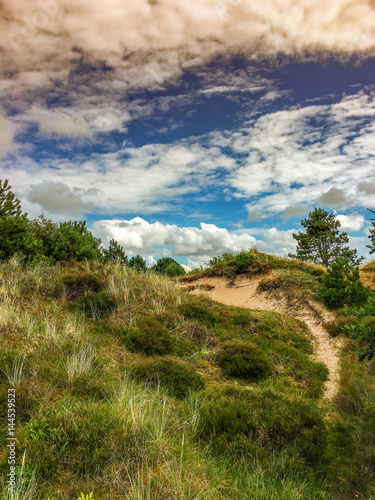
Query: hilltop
column 130, row 386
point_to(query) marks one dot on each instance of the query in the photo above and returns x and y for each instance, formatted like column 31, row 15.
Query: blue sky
column 189, row 129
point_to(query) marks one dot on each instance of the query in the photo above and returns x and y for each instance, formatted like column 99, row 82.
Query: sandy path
column 244, row 294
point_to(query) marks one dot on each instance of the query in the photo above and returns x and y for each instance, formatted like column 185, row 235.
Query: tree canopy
column 9, row 204
column 115, row 253
column 169, row 267
column 322, row 241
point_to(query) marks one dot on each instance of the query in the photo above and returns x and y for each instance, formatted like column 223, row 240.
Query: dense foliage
column 342, row 285
column 169, row 267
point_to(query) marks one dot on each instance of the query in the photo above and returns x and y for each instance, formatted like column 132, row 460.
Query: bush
column 72, row 241
column 138, row 263
column 196, row 310
column 174, row 269
column 97, row 305
column 335, row 327
column 243, row 359
column 236, row 420
column 169, row 267
column 220, row 259
column 244, row 260
column 342, row 285
column 79, row 284
column 241, row 318
column 177, row 377
column 149, row 337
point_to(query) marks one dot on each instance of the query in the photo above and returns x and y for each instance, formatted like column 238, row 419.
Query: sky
column 189, row 128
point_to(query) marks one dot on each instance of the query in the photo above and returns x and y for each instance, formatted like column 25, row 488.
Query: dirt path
column 244, row 294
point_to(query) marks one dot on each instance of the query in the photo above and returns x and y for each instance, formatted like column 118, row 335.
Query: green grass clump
column 97, row 305
column 245, row 360
column 79, row 283
column 155, row 336
column 194, row 309
column 237, row 420
column 177, row 377
column 149, row 336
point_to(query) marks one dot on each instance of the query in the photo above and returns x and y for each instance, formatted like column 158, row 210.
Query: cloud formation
column 58, row 198
column 352, row 222
column 6, row 136
column 198, row 245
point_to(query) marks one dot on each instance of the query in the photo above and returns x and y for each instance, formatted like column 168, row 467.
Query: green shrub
column 342, row 285
column 174, row 269
column 335, row 327
column 84, row 437
column 225, row 257
column 194, row 309
column 79, row 283
column 244, row 260
column 243, row 359
column 177, row 377
column 236, row 420
column 150, row 336
column 97, row 305
column 169, row 267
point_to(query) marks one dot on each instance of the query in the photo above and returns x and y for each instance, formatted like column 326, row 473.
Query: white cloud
column 144, row 180
column 6, row 136
column 352, row 222
column 197, row 245
column 59, row 122
column 306, row 156
column 139, row 236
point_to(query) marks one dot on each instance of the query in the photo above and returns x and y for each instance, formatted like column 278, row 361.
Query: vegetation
column 99, row 410
column 322, row 241
column 177, row 377
column 115, row 253
column 241, row 359
column 342, row 285
column 169, row 267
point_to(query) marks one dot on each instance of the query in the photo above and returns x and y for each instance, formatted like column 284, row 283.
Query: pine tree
column 115, row 253
column 342, row 285
column 138, row 263
column 72, row 241
column 9, row 204
column 322, row 241
column 14, row 226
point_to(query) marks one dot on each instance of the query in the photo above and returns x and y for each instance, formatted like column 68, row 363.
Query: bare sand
column 244, row 294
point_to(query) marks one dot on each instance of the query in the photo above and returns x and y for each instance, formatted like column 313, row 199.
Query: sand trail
column 244, row 293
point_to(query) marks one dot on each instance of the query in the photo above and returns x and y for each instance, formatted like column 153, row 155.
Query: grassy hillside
column 129, row 387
